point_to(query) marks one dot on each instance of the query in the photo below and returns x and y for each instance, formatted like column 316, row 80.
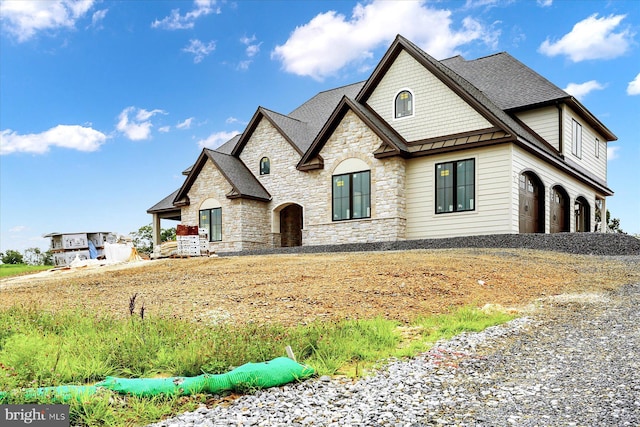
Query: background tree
column 612, row 224
column 12, row 257
column 143, row 238
column 35, row 256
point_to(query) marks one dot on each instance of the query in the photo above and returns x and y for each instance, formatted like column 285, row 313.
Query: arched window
column 403, row 104
column 265, row 166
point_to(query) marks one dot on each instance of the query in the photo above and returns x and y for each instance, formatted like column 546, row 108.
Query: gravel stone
column 572, row 362
column 574, row 243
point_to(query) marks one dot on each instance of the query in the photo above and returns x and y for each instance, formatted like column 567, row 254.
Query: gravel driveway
column 574, row 361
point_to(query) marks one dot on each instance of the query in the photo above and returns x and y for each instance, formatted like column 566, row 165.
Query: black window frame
column 350, row 176
column 407, row 111
column 211, row 223
column 454, row 187
column 265, row 166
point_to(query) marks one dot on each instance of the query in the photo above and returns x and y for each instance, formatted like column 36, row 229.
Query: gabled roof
column 300, row 126
column 392, row 142
column 513, row 86
column 243, row 183
column 495, row 86
column 506, row 81
column 463, row 88
column 292, row 130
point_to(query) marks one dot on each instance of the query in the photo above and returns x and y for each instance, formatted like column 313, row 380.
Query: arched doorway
column 291, row 226
column 582, row 215
column 559, row 210
column 531, row 204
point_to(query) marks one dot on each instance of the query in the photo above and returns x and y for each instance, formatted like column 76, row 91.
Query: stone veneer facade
column 250, row 224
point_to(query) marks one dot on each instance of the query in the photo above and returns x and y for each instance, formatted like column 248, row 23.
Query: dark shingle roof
column 244, row 183
column 315, row 112
column 506, row 81
column 165, row 204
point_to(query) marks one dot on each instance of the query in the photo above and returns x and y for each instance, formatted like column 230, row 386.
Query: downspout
column 560, row 129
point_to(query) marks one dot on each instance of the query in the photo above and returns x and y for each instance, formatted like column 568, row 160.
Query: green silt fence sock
column 59, row 394
column 279, row 371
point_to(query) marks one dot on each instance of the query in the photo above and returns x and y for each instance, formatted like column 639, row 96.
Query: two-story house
column 422, row 149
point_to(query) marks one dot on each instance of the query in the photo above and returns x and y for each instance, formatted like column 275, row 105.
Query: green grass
column 40, row 349
column 7, row 270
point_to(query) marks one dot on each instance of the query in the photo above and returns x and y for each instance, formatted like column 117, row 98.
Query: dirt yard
column 300, row 288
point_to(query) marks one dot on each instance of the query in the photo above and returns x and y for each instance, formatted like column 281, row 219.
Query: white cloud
column 139, row 126
column 634, row 86
column 175, row 21
column 98, row 17
column 164, row 129
column 186, row 124
column 252, row 48
column 18, row 228
column 24, row 19
column 580, row 90
column 199, row 49
column 331, row 41
column 591, row 38
column 216, row 139
column 545, row 3
column 66, row 136
column 612, row 152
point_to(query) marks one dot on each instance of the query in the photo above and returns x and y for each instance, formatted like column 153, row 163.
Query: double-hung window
column 576, row 139
column 455, row 186
column 352, row 196
column 211, row 220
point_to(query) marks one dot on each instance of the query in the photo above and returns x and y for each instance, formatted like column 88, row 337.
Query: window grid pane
column 341, row 191
column 455, row 186
column 444, row 187
column 216, row 225
column 403, row 105
column 211, row 220
column 352, row 196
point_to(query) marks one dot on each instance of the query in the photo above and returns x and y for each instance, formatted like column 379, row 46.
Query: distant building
column 67, row 246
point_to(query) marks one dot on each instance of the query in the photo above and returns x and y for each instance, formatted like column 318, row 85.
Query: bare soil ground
column 301, row 288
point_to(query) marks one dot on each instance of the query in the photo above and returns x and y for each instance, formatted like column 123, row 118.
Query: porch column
column 156, row 230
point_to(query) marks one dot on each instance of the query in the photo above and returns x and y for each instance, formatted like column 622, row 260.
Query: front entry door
column 529, row 205
column 291, row 226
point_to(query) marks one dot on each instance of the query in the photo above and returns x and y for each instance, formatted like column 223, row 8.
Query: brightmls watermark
column 34, row 415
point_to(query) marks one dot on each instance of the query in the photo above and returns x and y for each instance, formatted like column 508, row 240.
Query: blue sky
column 104, row 103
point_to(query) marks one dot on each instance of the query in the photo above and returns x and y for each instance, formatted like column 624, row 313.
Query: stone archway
column 291, row 226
